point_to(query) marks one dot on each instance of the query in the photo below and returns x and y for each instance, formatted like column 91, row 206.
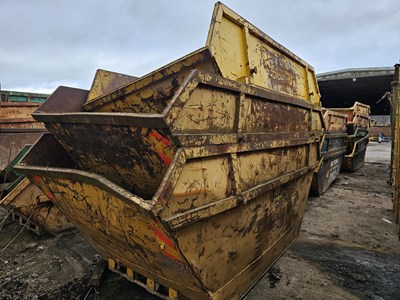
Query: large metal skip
column 189, row 183
column 358, row 117
column 32, row 208
column 26, row 202
column 355, row 155
column 218, row 190
column 333, row 148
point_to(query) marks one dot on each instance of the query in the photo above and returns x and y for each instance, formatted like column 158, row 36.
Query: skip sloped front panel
column 153, row 92
column 355, row 156
column 327, row 172
column 133, row 157
column 245, row 53
column 105, row 82
column 334, row 121
column 28, row 201
column 120, row 229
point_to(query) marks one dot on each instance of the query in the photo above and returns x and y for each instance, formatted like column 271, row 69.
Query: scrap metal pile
column 192, row 180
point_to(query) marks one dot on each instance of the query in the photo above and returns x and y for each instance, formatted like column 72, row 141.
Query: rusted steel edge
column 354, row 153
column 340, row 109
column 85, row 177
column 164, row 191
column 145, row 80
column 213, row 150
column 120, row 119
column 192, row 140
column 321, row 160
column 20, row 104
column 11, row 185
column 17, row 120
column 334, row 152
column 351, row 108
column 180, row 97
column 21, row 185
column 330, row 111
column 332, row 134
column 211, row 209
column 22, row 130
column 18, row 188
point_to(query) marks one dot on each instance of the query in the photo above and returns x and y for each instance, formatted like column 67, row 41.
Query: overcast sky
column 47, row 43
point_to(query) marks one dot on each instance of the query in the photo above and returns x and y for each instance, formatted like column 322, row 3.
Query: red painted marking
column 37, row 178
column 162, row 237
column 159, row 137
column 50, row 196
column 166, row 160
column 169, row 254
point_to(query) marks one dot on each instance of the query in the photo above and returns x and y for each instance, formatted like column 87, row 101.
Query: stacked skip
column 17, row 127
column 24, row 200
column 333, row 148
column 192, row 180
column 358, row 122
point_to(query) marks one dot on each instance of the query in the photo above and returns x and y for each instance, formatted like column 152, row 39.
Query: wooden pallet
column 22, row 220
column 150, row 285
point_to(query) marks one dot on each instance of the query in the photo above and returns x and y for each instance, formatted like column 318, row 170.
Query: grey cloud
column 45, row 43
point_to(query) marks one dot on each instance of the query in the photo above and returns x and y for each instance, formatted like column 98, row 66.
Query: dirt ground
column 347, row 249
column 348, row 246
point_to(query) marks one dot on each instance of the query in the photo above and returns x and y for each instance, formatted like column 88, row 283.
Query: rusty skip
column 195, row 176
column 333, row 148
